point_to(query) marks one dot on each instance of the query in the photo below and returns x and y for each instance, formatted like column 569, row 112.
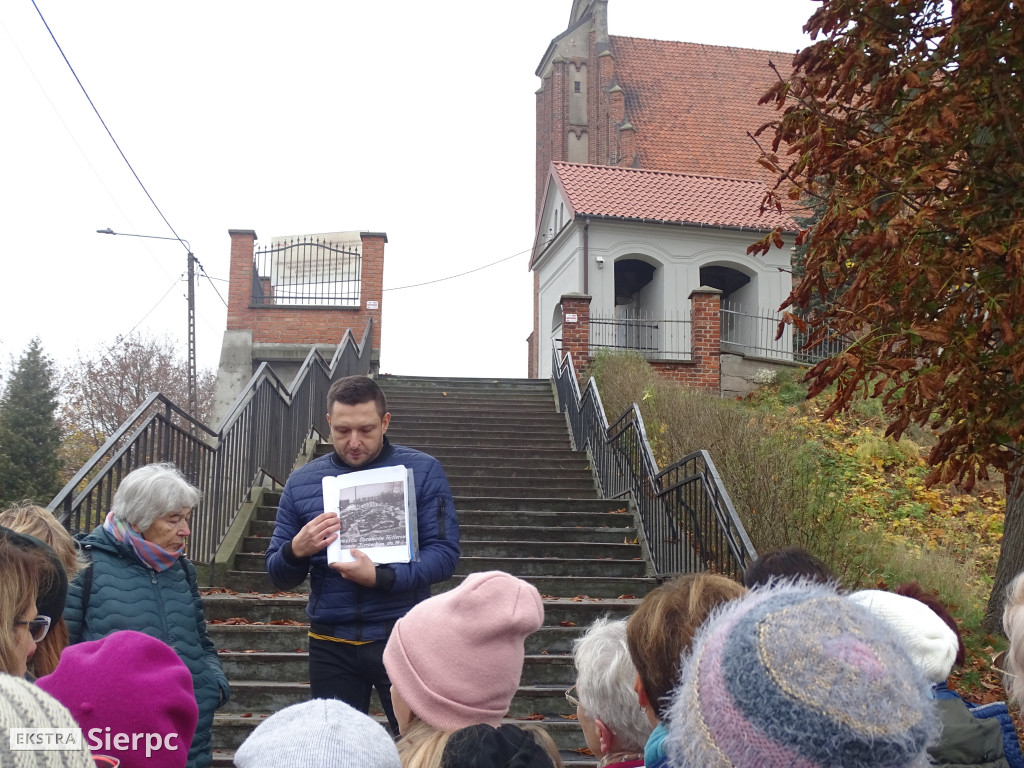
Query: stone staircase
column 527, row 504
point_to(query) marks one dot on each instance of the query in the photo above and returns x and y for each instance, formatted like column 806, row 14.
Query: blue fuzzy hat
column 796, row 676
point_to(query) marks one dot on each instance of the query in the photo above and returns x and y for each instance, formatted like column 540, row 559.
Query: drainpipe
column 586, row 255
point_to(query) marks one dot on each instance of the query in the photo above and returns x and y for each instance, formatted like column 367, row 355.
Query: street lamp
column 191, row 310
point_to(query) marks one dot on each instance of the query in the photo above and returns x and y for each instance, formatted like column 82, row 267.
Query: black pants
column 348, row 672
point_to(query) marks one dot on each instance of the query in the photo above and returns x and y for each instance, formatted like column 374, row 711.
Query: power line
column 461, row 274
column 103, row 122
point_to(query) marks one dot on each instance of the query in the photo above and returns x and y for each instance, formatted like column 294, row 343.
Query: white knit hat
column 23, row 705
column 321, row 732
column 931, row 644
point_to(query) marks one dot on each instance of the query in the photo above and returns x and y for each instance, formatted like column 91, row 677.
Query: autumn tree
column 102, row 390
column 29, row 435
column 903, row 125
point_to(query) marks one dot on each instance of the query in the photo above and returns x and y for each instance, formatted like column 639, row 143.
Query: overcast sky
column 409, row 117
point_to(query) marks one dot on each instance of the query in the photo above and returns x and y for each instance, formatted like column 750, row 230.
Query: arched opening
column 639, row 304
column 730, row 281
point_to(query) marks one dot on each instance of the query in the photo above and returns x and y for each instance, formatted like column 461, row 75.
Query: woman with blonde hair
column 454, row 662
column 39, row 523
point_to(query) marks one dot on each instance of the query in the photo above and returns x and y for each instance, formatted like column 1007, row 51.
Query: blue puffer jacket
column 344, row 609
column 125, row 593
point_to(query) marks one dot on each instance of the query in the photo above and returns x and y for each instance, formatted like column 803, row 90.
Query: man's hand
column 316, row 535
column 362, row 571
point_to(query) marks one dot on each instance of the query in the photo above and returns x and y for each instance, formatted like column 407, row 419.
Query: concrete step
column 411, row 432
column 601, row 587
column 563, row 534
column 526, row 568
column 292, row 608
column 551, row 549
column 537, row 669
column 290, row 638
column 391, row 383
column 271, row 696
column 541, row 518
column 505, row 504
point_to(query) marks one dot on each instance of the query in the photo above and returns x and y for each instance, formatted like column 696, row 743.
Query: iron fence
column 260, row 436
column 663, row 337
column 306, row 272
column 755, row 334
column 688, row 518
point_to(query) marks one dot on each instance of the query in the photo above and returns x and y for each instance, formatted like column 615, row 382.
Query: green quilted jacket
column 125, row 593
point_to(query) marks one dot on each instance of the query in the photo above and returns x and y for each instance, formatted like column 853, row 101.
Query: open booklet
column 377, row 508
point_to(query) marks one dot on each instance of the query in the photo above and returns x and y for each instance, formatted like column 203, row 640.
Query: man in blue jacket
column 353, row 606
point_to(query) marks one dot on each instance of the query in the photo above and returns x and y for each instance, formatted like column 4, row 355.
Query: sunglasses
column 37, row 627
column 570, row 698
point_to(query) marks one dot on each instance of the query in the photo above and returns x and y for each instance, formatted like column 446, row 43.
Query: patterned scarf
column 153, row 555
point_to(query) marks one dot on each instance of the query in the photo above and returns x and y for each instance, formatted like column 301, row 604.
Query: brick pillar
column 243, row 244
column 706, row 336
column 576, row 333
column 372, row 286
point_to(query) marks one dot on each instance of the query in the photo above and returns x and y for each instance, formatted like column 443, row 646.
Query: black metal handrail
column 688, row 518
column 261, row 435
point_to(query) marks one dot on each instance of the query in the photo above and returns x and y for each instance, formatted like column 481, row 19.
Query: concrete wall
column 740, row 374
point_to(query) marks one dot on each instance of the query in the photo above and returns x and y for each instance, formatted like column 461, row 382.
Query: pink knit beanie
column 456, row 658
column 131, row 695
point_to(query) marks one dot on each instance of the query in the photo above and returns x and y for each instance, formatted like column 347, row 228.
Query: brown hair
column 663, row 627
column 356, row 390
column 18, row 571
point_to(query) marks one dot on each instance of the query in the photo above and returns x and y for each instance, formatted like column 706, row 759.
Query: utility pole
column 191, row 272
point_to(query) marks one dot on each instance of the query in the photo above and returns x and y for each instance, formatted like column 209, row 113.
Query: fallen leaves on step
column 569, row 717
column 532, row 716
column 217, row 591
column 567, row 623
column 619, row 511
column 247, row 714
column 286, row 623
column 627, row 597
column 583, row 751
column 232, row 620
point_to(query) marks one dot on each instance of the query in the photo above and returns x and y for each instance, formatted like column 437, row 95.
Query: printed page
column 373, row 506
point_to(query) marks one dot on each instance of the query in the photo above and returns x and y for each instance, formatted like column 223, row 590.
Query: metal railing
column 660, row 338
column 688, row 518
column 306, row 272
column 754, row 334
column 261, row 435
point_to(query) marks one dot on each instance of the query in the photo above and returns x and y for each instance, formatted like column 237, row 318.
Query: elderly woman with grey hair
column 140, row 579
column 614, row 725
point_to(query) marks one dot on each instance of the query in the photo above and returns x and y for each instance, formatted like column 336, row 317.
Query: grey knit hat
column 316, row 734
column 23, row 705
column 796, row 675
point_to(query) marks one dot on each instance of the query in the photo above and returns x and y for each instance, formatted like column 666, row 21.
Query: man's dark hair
column 787, row 563
column 356, row 390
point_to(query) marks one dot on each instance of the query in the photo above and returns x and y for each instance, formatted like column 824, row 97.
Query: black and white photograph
column 372, row 515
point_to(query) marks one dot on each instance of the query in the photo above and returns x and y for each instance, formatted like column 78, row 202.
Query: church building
column 648, row 193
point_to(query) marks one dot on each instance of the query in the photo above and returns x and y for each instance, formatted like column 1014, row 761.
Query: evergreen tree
column 29, row 435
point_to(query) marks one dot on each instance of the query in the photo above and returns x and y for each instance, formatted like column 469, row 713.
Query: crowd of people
column 105, row 637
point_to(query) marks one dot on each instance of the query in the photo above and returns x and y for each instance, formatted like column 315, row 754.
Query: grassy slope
column 947, row 540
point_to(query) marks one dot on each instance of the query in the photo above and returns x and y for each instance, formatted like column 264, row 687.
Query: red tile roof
column 692, row 105
column 677, row 198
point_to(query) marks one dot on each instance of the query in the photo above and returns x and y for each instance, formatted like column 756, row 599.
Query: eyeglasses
column 570, row 698
column 37, row 627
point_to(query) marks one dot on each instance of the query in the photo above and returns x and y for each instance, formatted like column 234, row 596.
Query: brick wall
column 576, row 335
column 303, row 325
